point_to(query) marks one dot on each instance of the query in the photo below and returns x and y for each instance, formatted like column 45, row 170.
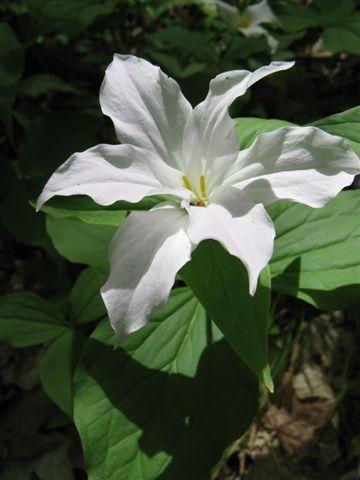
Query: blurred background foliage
column 53, row 55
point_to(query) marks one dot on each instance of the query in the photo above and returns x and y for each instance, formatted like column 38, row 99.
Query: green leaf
column 68, row 17
column 244, row 47
column 86, row 302
column 81, row 242
column 344, row 37
column 55, row 464
column 172, row 65
column 326, row 289
column 58, row 366
column 345, row 124
column 198, row 44
column 285, row 40
column 294, row 18
column 26, row 319
column 165, row 404
column 52, row 138
column 97, row 216
column 85, row 209
column 248, row 128
column 333, row 11
column 317, row 255
column 220, row 282
column 37, row 85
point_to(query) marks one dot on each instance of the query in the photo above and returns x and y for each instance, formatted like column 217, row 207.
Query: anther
column 203, row 186
column 186, row 183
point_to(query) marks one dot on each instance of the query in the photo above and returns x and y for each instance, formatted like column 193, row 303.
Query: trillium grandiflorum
column 193, row 155
column 249, row 22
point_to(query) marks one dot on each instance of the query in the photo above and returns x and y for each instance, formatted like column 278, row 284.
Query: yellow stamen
column 186, row 183
column 197, row 200
column 203, row 186
column 201, row 202
column 243, row 21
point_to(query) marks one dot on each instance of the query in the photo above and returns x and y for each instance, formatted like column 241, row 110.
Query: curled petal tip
column 287, row 65
column 38, row 205
column 252, row 291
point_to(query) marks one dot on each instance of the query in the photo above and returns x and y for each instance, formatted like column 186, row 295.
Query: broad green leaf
column 97, row 216
column 44, row 82
column 345, row 124
column 81, row 242
column 248, row 128
column 244, row 47
column 55, row 464
column 317, row 251
column 58, row 366
column 172, row 65
column 167, row 402
column 51, row 139
column 333, row 11
column 26, row 319
column 220, row 282
column 198, row 44
column 85, row 298
column 66, row 16
column 82, row 208
column 344, row 36
column 85, row 209
column 285, row 40
column 294, row 18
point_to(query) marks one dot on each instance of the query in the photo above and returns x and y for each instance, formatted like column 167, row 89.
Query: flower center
column 243, row 21
column 199, row 200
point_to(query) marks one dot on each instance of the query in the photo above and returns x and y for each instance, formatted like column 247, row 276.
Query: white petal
column 261, row 13
column 146, row 106
column 303, row 164
column 108, row 173
column 210, row 134
column 243, row 228
column 145, row 254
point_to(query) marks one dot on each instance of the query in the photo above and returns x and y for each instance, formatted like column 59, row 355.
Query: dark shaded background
column 52, row 60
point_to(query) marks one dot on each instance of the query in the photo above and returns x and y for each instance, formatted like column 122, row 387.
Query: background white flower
column 250, row 21
column 192, row 154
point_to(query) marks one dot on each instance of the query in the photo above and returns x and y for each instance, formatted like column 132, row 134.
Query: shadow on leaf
column 171, row 422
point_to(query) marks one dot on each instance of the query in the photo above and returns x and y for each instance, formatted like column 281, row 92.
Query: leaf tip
column 268, row 381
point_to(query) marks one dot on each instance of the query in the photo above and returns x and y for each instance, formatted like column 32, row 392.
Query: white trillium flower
column 192, row 154
column 250, row 21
